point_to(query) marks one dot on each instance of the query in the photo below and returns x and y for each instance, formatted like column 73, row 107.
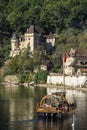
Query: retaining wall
column 68, row 80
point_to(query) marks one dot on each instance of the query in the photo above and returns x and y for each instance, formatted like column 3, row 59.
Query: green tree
column 41, row 77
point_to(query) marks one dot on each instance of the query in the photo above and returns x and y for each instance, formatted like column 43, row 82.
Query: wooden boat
column 55, row 104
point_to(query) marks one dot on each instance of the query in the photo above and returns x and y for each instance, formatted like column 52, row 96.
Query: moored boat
column 55, row 104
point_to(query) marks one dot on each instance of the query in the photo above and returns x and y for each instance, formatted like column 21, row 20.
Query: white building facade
column 72, row 81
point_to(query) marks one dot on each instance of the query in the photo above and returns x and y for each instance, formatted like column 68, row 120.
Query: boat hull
column 55, row 105
column 54, row 112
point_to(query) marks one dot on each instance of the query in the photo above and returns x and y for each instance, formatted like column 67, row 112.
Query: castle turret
column 14, row 42
column 14, row 46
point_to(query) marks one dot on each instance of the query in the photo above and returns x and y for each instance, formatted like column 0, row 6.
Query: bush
column 41, row 77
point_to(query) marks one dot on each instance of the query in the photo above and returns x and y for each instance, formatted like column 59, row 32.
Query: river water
column 17, row 110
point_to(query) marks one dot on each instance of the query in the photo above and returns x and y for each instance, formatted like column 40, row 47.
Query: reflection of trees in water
column 39, row 93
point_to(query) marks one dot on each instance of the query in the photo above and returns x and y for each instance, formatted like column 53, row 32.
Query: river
column 17, row 110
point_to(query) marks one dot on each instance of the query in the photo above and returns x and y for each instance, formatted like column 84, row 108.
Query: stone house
column 50, row 39
column 76, row 62
column 49, row 42
column 43, row 67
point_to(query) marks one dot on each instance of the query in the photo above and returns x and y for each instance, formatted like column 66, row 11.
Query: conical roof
column 14, row 37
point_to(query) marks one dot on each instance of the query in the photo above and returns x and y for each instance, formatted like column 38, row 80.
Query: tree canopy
column 66, row 18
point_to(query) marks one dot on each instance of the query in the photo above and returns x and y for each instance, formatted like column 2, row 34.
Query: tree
column 41, row 77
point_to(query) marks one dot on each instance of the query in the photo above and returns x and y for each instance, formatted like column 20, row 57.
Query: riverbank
column 61, row 87
column 12, row 84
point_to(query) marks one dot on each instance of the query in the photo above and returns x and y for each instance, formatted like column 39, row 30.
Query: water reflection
column 49, row 124
column 17, row 110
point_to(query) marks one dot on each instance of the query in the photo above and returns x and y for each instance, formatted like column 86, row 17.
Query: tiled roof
column 31, row 29
column 50, row 36
column 78, row 52
column 81, row 52
column 14, row 37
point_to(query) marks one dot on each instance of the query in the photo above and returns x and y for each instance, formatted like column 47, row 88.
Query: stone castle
column 31, row 39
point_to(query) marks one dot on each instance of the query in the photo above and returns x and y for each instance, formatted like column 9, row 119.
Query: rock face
column 11, row 80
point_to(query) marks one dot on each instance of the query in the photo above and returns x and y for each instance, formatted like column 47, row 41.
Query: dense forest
column 66, row 18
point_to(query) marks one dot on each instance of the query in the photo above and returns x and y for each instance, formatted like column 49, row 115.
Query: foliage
column 66, row 18
column 23, row 65
column 39, row 56
column 41, row 77
column 48, row 16
column 1, row 78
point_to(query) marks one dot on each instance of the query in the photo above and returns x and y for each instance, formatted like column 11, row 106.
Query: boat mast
column 64, row 60
column 63, row 78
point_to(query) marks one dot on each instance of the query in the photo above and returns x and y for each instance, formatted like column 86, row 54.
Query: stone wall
column 11, row 79
column 68, row 80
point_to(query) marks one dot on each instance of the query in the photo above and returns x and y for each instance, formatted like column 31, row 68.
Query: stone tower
column 31, row 39
column 14, row 46
column 14, row 42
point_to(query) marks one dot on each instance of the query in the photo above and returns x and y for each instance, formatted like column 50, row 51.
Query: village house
column 31, row 40
column 50, row 39
column 46, row 65
column 49, row 42
column 76, row 62
column 74, row 69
